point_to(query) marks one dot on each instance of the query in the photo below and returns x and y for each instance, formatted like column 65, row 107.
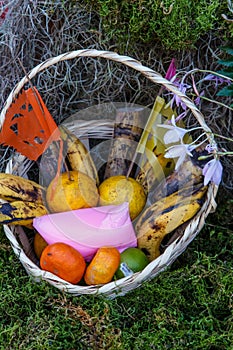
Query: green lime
column 132, row 260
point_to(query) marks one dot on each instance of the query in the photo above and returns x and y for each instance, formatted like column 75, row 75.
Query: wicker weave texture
column 20, row 164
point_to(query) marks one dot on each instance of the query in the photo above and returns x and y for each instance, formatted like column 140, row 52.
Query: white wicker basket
column 19, row 165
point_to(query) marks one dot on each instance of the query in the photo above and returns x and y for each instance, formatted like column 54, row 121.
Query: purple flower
column 175, row 133
column 212, row 171
column 211, row 148
column 171, row 72
column 198, row 98
column 171, row 75
column 176, row 99
column 218, row 80
column 180, row 152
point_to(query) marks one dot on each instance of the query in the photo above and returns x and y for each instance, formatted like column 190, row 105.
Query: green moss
column 175, row 24
column 189, row 306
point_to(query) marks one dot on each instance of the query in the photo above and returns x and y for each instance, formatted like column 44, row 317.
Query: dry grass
column 36, row 30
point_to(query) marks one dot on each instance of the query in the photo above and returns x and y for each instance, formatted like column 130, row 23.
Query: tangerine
column 63, row 261
column 103, row 266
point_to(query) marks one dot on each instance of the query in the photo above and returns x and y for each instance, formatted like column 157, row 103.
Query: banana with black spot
column 158, row 221
column 155, row 169
column 14, row 187
column 183, row 195
column 20, row 212
column 188, row 174
column 77, row 154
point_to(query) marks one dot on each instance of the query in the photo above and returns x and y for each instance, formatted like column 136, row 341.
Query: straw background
column 34, row 31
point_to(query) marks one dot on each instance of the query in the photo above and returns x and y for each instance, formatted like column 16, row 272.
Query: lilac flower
column 171, row 75
column 175, row 133
column 181, row 116
column 218, row 80
column 212, row 171
column 198, row 98
column 176, row 99
column 211, row 148
column 180, row 152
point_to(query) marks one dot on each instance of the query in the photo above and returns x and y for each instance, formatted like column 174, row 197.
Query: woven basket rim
column 113, row 56
column 122, row 286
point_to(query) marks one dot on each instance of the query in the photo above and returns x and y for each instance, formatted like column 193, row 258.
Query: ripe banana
column 20, row 212
column 13, row 187
column 182, row 196
column 154, row 170
column 48, row 164
column 188, row 174
column 151, row 233
column 78, row 156
column 127, row 130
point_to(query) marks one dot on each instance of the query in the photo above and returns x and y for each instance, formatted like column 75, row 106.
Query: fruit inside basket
column 102, row 181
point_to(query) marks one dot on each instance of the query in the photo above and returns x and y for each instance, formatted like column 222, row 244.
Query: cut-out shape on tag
column 28, row 126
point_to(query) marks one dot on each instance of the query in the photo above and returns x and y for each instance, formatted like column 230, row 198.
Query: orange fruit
column 118, row 189
column 132, row 260
column 103, row 266
column 72, row 190
column 39, row 244
column 63, row 261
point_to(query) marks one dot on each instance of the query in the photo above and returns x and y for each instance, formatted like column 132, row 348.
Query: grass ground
column 190, row 306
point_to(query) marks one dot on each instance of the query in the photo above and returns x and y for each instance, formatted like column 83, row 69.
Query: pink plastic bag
column 89, row 229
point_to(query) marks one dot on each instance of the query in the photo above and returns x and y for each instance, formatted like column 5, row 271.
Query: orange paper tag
column 29, row 127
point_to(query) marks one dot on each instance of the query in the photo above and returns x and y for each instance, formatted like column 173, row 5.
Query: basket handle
column 128, row 61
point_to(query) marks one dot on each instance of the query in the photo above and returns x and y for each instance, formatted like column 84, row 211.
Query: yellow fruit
column 132, row 260
column 71, row 190
column 118, row 189
column 39, row 244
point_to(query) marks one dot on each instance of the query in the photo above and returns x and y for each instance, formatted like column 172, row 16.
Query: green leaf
column 227, row 49
column 228, row 62
column 228, row 74
column 226, row 91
